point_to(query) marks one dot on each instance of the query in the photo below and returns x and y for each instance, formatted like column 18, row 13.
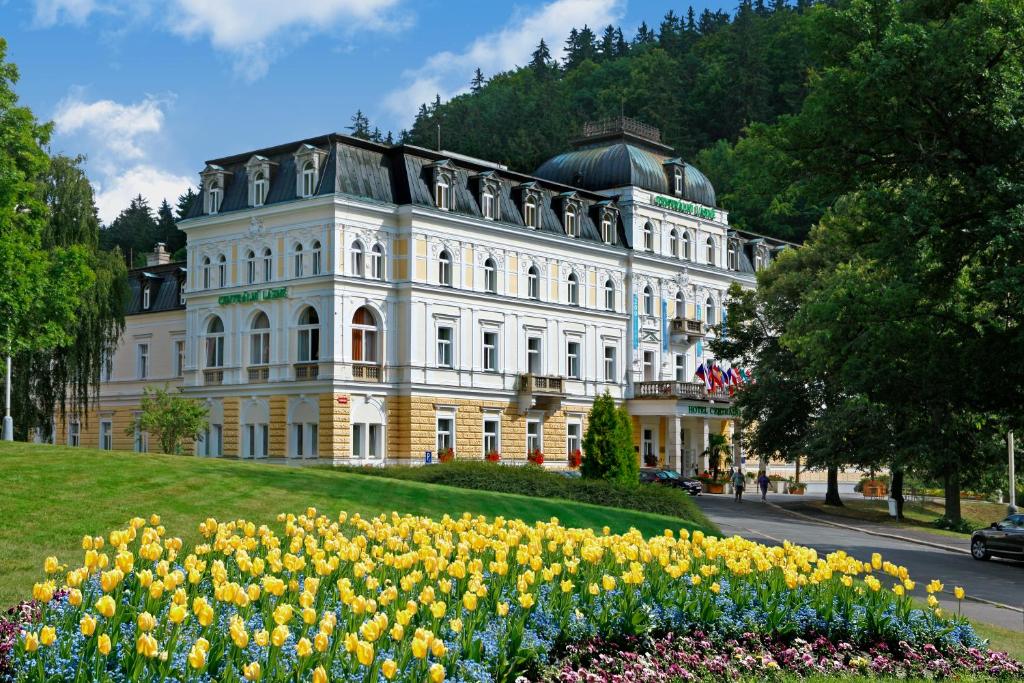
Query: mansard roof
column 164, row 280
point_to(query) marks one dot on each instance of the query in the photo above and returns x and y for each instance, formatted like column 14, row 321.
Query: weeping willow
column 53, row 383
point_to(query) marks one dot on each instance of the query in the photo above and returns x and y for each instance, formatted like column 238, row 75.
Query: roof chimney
column 159, row 256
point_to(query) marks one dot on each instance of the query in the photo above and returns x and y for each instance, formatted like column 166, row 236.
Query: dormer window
column 606, row 216
column 677, row 175
column 213, row 180
column 309, row 163
column 308, row 179
column 731, row 259
column 181, row 291
column 570, row 218
column 214, row 195
column 531, row 215
column 145, row 296
column 606, row 229
column 488, row 205
column 259, row 189
column 443, row 192
column 490, row 191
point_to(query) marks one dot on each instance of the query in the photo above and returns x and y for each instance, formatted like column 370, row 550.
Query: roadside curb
column 940, row 546
column 882, row 534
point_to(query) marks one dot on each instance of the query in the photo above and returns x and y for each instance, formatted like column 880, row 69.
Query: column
column 673, row 445
column 702, row 456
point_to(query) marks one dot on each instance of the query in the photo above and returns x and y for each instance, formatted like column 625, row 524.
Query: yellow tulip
column 106, row 606
column 436, row 673
column 321, row 641
column 303, row 648
column 364, row 653
column 283, row 614
column 715, row 588
column 31, row 642
column 502, row 609
column 437, row 648
column 397, row 632
column 47, row 635
column 103, row 644
column 146, row 646
column 197, row 657
column 958, row 592
column 389, row 668
column 147, row 622
column 279, row 635
column 262, row 637
column 526, row 600
column 252, row 671
column 51, row 565
column 74, row 597
column 177, row 614
column 456, row 625
column 469, row 601
column 319, row 675
column 419, row 648
column 87, row 625
column 438, row 609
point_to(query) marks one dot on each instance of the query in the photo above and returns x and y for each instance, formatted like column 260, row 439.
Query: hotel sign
column 253, row 295
column 684, row 207
column 722, row 411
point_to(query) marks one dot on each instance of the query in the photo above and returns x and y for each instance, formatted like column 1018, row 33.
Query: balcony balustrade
column 307, row 370
column 213, row 377
column 367, row 373
column 259, row 374
column 690, row 391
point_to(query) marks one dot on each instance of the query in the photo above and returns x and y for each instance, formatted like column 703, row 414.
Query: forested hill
column 699, row 78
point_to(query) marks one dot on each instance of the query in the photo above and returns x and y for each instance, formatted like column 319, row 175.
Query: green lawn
column 919, row 516
column 53, row 495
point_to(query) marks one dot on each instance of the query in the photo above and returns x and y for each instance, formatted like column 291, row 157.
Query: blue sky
column 149, row 89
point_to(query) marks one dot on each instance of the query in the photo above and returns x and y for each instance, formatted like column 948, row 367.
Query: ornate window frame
column 307, row 153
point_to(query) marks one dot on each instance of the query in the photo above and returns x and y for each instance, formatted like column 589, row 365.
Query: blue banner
column 664, row 326
column 636, row 321
column 723, row 322
column 700, row 349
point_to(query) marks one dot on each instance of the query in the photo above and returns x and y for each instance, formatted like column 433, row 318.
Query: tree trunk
column 832, row 492
column 796, row 476
column 953, row 493
column 897, row 491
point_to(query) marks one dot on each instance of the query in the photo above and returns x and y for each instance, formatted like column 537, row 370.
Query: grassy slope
column 54, row 495
column 920, row 516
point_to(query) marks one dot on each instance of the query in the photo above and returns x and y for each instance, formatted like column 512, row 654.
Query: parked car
column 650, row 475
column 1001, row 539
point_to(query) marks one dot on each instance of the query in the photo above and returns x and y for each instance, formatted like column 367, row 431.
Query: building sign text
column 253, row 295
column 685, row 207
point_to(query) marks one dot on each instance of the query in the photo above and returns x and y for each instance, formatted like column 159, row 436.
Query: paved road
column 998, row 581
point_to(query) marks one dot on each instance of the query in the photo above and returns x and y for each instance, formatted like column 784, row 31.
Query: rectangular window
column 297, row 429
column 680, row 367
column 140, row 439
column 313, row 434
column 648, row 445
column 143, row 361
column 492, row 435
column 264, row 439
column 572, row 359
column 573, row 439
column 373, row 440
column 357, row 440
column 610, row 369
column 258, row 440
column 251, row 433
column 74, row 433
column 444, row 346
column 445, row 434
column 106, row 435
column 179, row 357
column 533, row 358
column 648, row 366
column 491, row 351
column 534, row 440
column 108, row 366
column 212, row 440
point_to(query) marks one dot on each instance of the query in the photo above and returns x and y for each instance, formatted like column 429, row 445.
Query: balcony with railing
column 689, row 391
column 307, row 370
column 367, row 373
column 684, row 327
column 540, row 392
column 260, row 373
column 213, row 376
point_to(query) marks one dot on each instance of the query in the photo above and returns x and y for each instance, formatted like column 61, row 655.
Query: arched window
column 758, row 261
column 364, row 336
column 570, row 221
column 444, row 269
column 259, row 340
column 443, row 193
column 673, row 243
column 732, row 256
column 709, row 311
column 316, row 257
column 573, row 289
column 533, row 283
column 357, row 258
column 215, row 194
column 490, row 276
column 145, row 297
column 678, row 177
column 206, row 272
column 297, row 268
column 686, row 245
column 648, row 301
column 309, row 336
column 488, row 205
column 606, row 229
column 648, row 237
column 250, row 267
column 308, row 179
column 711, row 251
column 377, row 262
column 222, row 270
column 259, row 189
column 609, row 295
column 215, row 343
column 268, row 265
column 680, row 304
column 530, row 214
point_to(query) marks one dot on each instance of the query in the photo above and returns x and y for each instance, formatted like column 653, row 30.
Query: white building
column 368, row 303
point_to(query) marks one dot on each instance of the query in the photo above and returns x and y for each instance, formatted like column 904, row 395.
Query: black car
column 1002, row 539
column 670, row 478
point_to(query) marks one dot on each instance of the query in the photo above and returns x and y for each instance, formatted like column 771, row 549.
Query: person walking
column 737, row 484
column 762, row 482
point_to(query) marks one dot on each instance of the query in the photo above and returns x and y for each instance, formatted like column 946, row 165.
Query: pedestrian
column 737, row 484
column 762, row 482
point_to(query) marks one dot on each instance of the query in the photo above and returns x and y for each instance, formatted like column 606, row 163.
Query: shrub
column 608, row 444
column 538, row 482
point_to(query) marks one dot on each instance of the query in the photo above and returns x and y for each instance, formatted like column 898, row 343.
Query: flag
column 702, row 373
column 716, row 377
column 744, row 377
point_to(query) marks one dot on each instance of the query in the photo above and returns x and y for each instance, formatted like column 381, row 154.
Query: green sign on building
column 253, row 295
column 721, row 411
column 684, row 207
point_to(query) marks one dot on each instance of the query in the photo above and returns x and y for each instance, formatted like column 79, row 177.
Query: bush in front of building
column 170, row 418
column 538, row 482
column 608, row 444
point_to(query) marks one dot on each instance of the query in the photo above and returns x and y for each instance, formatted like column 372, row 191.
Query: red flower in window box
column 575, row 458
column 493, row 456
column 446, row 455
column 537, row 457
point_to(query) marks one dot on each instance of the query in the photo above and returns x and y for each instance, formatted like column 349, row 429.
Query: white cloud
column 50, row 12
column 116, row 127
column 115, row 193
column 119, row 140
column 448, row 73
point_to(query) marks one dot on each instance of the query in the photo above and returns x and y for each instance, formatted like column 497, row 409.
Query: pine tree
column 167, row 229
column 644, row 35
column 608, row 43
column 478, row 82
column 360, row 127
column 390, row 139
column 572, row 49
column 133, row 231
column 185, row 203
column 608, row 444
column 691, row 22
column 621, row 46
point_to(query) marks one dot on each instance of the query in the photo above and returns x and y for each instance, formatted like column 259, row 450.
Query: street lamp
column 8, row 434
column 1012, row 507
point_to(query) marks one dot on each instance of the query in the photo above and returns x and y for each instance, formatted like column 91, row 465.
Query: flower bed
column 411, row 599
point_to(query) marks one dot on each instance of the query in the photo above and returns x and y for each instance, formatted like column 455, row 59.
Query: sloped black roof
column 165, row 282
